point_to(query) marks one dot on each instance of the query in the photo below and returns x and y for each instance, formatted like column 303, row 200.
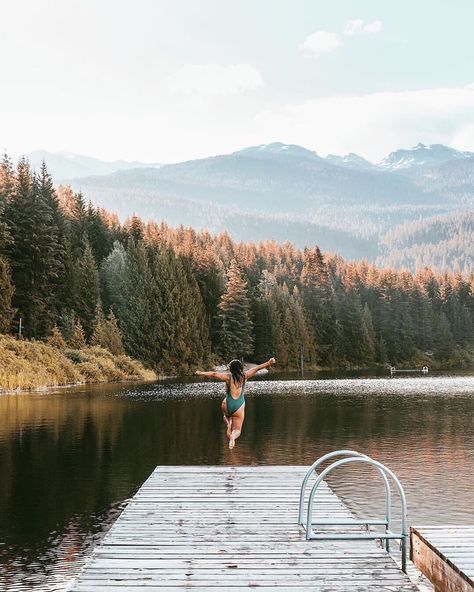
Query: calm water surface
column 70, row 459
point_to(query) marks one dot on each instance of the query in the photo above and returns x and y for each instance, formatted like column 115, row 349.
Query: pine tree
column 57, row 249
column 6, row 293
column 112, row 274
column 99, row 336
column 423, row 313
column 444, row 342
column 114, row 335
column 78, row 339
column 368, row 335
column 189, row 346
column 56, row 339
column 234, row 314
column 135, row 228
column 98, row 235
column 67, row 323
column 107, row 333
column 141, row 320
column 87, row 291
column 356, row 338
column 381, row 351
column 7, row 184
column 264, row 315
column 267, row 320
column 74, row 210
column 297, row 337
column 6, row 286
column 319, row 302
column 34, row 255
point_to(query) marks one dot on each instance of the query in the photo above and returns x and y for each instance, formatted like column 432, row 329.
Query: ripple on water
column 433, row 385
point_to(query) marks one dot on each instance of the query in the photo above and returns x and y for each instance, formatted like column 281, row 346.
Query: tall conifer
column 141, row 318
column 87, row 292
column 319, row 302
column 6, row 293
column 236, row 336
column 35, row 253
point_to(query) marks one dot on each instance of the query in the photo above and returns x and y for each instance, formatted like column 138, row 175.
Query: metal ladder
column 387, row 476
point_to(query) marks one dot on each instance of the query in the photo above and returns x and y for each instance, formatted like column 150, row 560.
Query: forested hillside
column 284, row 192
column 444, row 242
column 182, row 299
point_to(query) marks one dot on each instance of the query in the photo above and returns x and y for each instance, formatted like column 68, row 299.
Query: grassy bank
column 29, row 365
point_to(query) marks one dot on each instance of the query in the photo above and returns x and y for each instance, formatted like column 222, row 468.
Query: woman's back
column 235, row 389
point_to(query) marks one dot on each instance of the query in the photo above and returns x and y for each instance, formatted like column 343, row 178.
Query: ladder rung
column 349, row 522
column 354, row 537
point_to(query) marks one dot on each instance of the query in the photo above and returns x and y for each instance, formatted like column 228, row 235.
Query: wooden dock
column 231, row 529
column 445, row 555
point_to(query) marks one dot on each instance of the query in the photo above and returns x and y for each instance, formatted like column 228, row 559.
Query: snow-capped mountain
column 421, row 155
column 276, row 149
column 351, row 160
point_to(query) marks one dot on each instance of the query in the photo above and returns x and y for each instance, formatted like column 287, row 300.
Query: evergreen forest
column 178, row 299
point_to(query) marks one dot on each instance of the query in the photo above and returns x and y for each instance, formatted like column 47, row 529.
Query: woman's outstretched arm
column 217, row 375
column 255, row 369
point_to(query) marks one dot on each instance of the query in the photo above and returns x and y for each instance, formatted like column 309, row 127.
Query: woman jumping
column 233, row 406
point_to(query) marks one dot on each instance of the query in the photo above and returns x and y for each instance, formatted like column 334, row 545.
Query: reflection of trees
column 49, row 438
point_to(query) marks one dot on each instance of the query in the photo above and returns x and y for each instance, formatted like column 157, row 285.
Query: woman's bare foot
column 233, row 436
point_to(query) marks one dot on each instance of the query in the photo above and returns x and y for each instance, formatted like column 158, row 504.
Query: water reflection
column 69, row 459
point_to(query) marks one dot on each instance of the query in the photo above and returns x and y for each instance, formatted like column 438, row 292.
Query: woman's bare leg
column 227, row 418
column 237, row 422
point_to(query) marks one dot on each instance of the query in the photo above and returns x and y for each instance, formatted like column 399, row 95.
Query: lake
column 71, row 458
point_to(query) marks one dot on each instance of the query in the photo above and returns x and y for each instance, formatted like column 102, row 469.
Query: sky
column 171, row 80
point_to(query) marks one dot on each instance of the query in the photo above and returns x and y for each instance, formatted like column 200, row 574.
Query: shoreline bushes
column 33, row 365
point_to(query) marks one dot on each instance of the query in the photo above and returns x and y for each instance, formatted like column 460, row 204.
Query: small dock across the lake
column 445, row 555
column 230, row 529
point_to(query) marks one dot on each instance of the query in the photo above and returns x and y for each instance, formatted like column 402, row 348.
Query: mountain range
column 67, row 165
column 346, row 204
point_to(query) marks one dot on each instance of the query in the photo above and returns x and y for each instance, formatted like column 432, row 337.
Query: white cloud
column 320, row 42
column 358, row 26
column 374, row 124
column 215, row 79
column 374, row 27
column 353, row 27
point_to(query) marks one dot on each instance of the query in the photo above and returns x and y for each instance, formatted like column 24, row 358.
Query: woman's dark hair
column 237, row 370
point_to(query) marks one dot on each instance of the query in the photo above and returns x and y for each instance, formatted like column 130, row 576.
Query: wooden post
column 444, row 571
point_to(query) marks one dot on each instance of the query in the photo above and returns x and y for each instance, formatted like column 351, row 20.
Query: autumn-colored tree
column 78, row 339
column 56, row 339
column 107, row 333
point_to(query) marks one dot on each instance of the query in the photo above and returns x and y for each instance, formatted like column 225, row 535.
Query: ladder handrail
column 365, row 460
column 352, row 453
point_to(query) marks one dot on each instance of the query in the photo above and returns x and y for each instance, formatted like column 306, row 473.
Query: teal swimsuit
column 234, row 405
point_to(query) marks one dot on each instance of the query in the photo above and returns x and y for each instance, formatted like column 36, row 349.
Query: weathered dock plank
column 232, row 528
column 445, row 555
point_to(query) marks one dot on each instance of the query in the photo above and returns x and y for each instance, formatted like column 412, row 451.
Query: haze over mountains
column 67, row 165
column 413, row 202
